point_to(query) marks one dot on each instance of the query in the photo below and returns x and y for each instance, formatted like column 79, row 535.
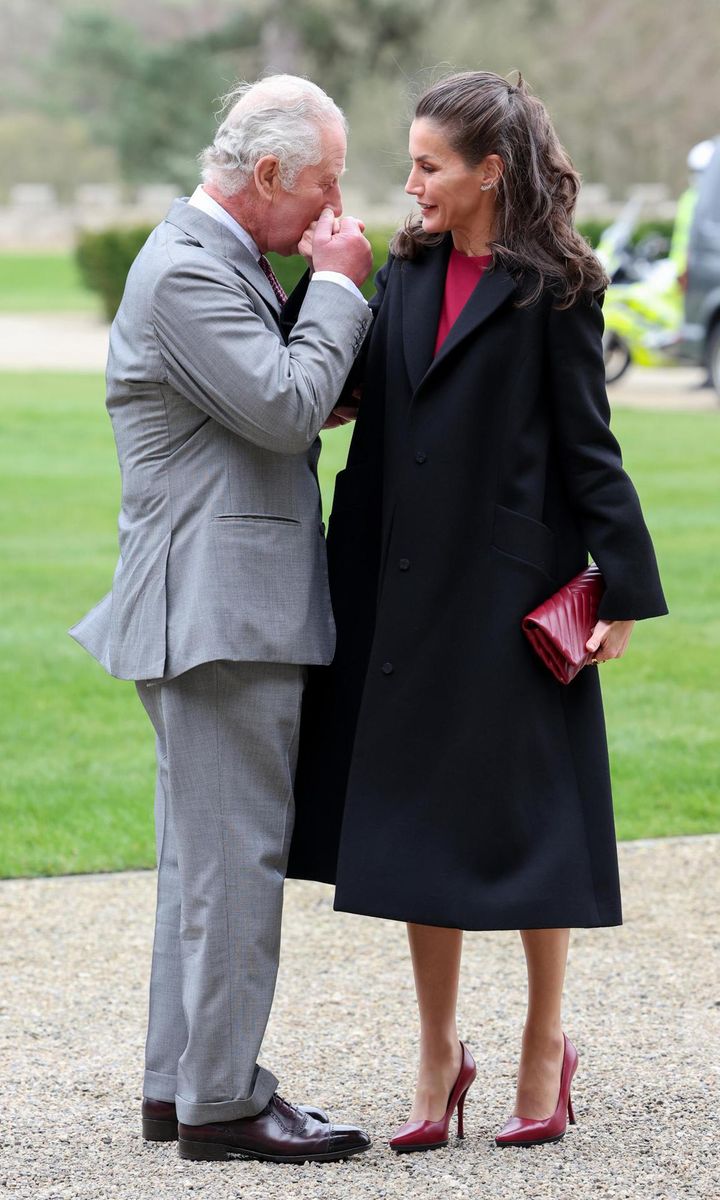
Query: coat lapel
column 423, row 289
column 216, row 238
column 493, row 289
column 423, row 284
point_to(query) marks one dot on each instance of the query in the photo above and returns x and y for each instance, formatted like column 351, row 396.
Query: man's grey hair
column 281, row 115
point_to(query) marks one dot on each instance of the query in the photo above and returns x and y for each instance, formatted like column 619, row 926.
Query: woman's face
column 448, row 192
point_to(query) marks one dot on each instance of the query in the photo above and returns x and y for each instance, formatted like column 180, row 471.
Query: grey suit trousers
column 227, row 736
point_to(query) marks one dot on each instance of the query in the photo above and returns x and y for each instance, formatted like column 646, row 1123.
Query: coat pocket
column 526, row 539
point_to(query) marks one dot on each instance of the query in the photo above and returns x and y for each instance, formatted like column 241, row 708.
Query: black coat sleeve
column 600, row 491
column 354, row 382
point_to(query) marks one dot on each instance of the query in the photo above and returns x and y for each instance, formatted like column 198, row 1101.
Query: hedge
column 104, row 259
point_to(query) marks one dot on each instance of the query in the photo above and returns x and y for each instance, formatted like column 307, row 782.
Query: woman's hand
column 305, row 244
column 609, row 639
column 340, row 416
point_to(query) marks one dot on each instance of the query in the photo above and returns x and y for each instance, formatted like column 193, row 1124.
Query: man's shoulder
column 173, row 258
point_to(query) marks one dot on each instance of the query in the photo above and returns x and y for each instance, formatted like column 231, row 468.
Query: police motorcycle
column 643, row 304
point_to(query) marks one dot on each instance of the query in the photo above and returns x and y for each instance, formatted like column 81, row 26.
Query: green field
column 75, row 745
column 43, row 283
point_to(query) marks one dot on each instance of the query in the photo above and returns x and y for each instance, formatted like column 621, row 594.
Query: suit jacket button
column 387, row 668
column 404, row 564
column 420, row 457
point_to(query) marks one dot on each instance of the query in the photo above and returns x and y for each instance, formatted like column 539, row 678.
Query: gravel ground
column 642, row 1004
column 53, row 342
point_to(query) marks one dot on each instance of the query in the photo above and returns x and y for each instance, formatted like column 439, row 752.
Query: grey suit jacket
column 216, row 420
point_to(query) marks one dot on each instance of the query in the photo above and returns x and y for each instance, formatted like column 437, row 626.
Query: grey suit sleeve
column 220, row 354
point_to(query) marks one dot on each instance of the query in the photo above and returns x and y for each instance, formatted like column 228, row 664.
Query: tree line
column 130, row 91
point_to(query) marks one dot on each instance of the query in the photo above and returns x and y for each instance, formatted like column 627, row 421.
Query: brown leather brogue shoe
column 281, row 1133
column 160, row 1123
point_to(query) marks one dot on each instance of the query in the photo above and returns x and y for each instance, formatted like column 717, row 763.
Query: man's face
column 317, row 187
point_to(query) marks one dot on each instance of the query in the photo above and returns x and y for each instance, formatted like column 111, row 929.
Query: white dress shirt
column 200, row 199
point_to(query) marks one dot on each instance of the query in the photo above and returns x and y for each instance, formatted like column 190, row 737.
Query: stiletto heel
column 461, row 1110
column 431, row 1135
column 526, row 1131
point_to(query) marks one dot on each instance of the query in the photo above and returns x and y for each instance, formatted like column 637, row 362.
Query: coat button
column 387, row 668
column 404, row 564
column 420, row 457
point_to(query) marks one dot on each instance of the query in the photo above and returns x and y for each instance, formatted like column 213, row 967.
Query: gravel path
column 643, row 1005
column 53, row 342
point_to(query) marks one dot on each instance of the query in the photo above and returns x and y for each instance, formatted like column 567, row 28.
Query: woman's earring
column 485, row 187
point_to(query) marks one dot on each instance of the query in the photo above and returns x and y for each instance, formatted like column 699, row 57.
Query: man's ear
column 267, row 176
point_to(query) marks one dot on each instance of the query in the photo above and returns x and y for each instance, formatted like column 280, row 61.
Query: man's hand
column 609, row 639
column 345, row 250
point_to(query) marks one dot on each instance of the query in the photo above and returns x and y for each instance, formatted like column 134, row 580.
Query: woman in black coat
column 446, row 779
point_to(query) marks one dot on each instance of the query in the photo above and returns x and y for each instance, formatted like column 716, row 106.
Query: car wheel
column 616, row 354
column 713, row 357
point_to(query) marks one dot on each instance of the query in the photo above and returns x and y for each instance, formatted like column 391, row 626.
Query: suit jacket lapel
column 215, row 237
column 422, row 292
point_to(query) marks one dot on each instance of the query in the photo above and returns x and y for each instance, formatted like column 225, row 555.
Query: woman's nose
column 412, row 186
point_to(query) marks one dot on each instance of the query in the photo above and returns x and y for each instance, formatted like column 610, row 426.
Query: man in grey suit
column 217, row 392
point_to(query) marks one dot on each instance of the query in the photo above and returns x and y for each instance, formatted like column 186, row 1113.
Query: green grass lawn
column 75, row 745
column 43, row 283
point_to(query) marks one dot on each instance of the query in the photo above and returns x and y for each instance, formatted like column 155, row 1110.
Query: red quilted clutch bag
column 559, row 628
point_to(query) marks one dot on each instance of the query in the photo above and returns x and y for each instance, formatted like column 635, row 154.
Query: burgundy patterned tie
column 273, row 279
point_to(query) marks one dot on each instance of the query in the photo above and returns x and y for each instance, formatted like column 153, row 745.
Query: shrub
column 104, row 260
column 592, row 229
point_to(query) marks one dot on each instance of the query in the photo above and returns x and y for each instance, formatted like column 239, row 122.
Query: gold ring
column 596, row 662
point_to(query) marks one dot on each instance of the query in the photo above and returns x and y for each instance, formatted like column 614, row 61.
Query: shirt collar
column 200, row 199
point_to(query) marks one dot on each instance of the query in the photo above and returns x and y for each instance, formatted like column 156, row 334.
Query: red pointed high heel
column 431, row 1135
column 526, row 1131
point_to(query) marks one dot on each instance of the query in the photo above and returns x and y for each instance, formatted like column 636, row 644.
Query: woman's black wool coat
column 461, row 783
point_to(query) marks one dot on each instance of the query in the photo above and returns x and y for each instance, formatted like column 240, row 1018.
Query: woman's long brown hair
column 481, row 113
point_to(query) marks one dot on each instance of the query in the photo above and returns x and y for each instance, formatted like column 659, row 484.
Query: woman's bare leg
column 542, row 1044
column 436, row 955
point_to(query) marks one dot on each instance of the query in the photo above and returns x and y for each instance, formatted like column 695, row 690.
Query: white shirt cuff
column 343, row 280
